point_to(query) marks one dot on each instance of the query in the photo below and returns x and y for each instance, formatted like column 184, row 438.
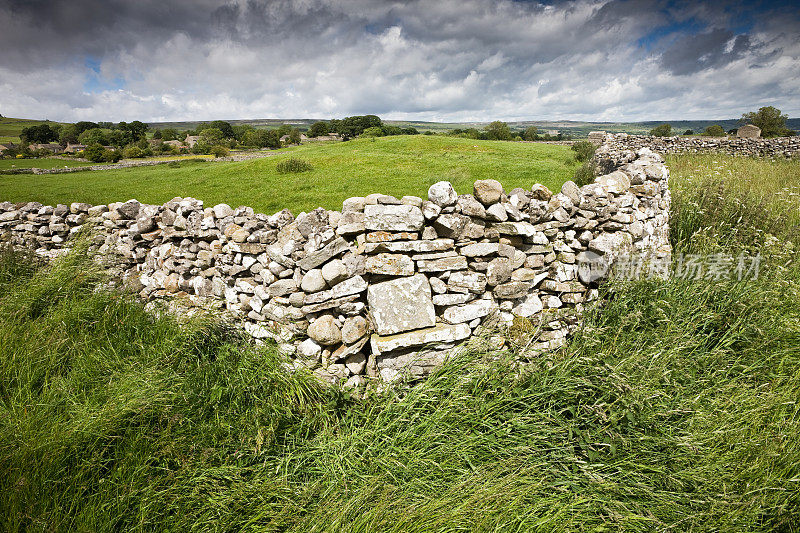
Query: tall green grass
column 674, row 408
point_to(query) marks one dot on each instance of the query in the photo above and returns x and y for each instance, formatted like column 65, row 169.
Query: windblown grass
column 675, row 408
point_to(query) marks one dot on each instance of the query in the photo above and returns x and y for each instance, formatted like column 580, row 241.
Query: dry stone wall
column 753, row 147
column 386, row 287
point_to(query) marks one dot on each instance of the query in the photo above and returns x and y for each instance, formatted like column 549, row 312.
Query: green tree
column 688, row 132
column 584, row 150
column 714, row 131
column 318, row 128
column 83, row 125
column 530, row 133
column 294, row 136
column 224, row 127
column 211, row 136
column 93, row 136
column 169, row 134
column 498, row 131
column 41, row 133
column 68, row 134
column 372, row 132
column 662, row 130
column 770, row 119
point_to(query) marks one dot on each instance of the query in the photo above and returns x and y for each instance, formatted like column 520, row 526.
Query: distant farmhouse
column 191, row 140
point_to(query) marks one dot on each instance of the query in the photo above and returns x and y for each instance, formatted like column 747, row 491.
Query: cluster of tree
column 367, row 125
column 500, row 131
column 771, row 121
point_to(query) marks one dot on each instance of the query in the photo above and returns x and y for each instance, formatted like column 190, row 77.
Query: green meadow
column 400, row 165
column 674, row 408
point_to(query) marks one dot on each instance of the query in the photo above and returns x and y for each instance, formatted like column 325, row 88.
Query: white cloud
column 450, row 60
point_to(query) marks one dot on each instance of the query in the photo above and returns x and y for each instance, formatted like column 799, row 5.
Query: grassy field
column 401, row 165
column 675, row 407
column 7, row 164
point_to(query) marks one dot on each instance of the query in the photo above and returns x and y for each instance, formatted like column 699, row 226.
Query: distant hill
column 10, row 128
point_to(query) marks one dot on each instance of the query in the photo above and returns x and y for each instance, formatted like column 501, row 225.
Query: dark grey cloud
column 713, row 49
column 444, row 60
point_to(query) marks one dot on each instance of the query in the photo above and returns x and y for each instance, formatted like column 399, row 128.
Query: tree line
column 768, row 119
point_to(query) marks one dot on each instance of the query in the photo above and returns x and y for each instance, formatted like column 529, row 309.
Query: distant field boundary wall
column 385, row 288
column 775, row 147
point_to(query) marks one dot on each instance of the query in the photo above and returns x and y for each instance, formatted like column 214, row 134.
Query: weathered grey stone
column 393, row 218
column 390, row 265
column 498, row 271
column 430, row 210
column 434, row 334
column 334, row 271
column 512, row 290
column 541, row 193
column 222, row 211
column 354, row 204
column 436, row 245
column 313, row 281
column 470, row 206
column 282, row 287
column 480, row 249
column 354, row 285
column 467, row 281
column 524, row 229
column 353, row 329
column 571, row 191
column 327, row 253
column 488, row 192
column 129, row 210
column 411, row 200
column 497, row 213
column 456, row 262
column 527, row 306
column 467, row 312
column 309, row 350
column 339, row 304
column 325, row 331
column 402, row 304
column 452, row 298
column 442, row 194
column 450, row 225
column 438, row 286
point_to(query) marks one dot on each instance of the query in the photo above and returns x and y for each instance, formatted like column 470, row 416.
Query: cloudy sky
column 444, row 60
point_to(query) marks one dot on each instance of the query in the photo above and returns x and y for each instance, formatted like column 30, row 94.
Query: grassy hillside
column 392, row 165
column 675, row 408
column 10, row 128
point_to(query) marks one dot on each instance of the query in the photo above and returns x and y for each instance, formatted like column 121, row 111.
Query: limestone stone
column 456, row 262
column 393, row 218
column 442, row 194
column 401, row 304
column 452, row 298
column 354, row 285
column 488, row 192
column 309, row 350
column 440, row 333
column 334, row 271
column 470, row 206
column 467, row 282
column 436, row 245
column 313, row 281
column 497, row 213
column 480, row 249
column 541, row 193
column 571, row 191
column 222, row 211
column 390, row 265
column 450, row 225
column 498, row 271
column 325, row 331
column 512, row 290
column 524, row 229
column 353, row 329
column 327, row 253
column 527, row 306
column 282, row 287
column 467, row 312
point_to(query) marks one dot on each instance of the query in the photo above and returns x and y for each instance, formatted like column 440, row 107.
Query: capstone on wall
column 385, row 288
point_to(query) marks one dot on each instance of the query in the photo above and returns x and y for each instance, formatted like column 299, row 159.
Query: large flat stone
column 443, row 264
column 467, row 312
column 401, row 304
column 436, row 334
column 390, row 265
column 435, row 245
column 331, row 250
column 354, row 285
column 393, row 218
column 524, row 229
